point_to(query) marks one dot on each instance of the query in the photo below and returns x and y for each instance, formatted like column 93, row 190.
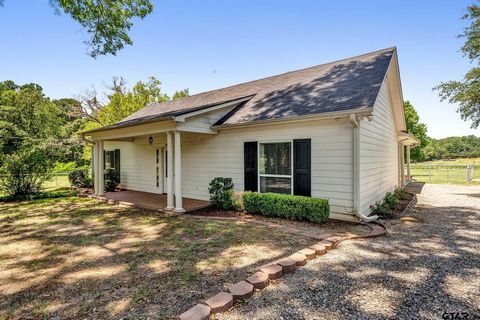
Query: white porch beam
column 178, row 173
column 169, row 171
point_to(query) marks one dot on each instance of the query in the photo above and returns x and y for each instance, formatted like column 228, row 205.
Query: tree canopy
column 419, row 130
column 122, row 102
column 107, row 22
column 466, row 92
column 453, row 147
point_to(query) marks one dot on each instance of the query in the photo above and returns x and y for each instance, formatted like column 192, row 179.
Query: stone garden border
column 243, row 290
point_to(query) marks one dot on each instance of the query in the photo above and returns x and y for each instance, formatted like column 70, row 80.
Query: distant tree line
column 452, row 148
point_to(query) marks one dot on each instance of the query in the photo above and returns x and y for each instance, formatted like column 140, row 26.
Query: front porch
column 152, row 201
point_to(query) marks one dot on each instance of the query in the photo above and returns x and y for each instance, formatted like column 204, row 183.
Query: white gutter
column 356, row 170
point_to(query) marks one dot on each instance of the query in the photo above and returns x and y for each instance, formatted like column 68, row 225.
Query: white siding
column 137, row 165
column 207, row 156
column 222, row 155
column 378, row 152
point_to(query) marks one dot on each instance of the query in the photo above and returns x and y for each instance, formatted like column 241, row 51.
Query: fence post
column 469, row 172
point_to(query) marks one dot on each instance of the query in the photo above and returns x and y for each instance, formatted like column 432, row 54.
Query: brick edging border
column 243, row 290
column 224, row 300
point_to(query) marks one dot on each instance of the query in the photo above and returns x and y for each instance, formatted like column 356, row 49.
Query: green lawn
column 75, row 258
column 446, row 171
column 56, row 182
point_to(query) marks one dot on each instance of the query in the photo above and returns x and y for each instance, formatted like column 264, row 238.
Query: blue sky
column 202, row 45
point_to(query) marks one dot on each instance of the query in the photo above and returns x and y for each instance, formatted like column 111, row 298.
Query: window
column 109, row 159
column 275, row 167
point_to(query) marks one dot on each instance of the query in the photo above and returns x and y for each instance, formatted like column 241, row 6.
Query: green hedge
column 42, row 195
column 286, row 206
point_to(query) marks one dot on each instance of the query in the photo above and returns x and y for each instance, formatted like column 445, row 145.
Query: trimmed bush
column 221, row 190
column 112, row 179
column 286, row 206
column 79, row 178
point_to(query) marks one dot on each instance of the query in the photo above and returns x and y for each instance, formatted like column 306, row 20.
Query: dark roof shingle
column 347, row 84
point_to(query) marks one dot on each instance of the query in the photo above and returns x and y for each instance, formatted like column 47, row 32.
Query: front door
column 159, row 170
column 165, row 171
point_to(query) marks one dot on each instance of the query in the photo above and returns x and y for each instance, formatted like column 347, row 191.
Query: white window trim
column 275, row 175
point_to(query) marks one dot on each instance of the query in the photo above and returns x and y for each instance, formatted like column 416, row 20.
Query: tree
column 467, row 91
column 122, row 102
column 419, row 130
column 35, row 132
column 107, row 22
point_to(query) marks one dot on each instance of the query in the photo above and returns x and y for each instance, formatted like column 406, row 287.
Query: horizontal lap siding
column 222, row 156
column 378, row 152
column 137, row 165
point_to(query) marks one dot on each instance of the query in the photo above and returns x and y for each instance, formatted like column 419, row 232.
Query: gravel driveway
column 427, row 265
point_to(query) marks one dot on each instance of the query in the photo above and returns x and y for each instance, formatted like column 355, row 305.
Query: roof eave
column 319, row 116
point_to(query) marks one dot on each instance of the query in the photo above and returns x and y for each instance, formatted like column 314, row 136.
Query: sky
column 204, row 45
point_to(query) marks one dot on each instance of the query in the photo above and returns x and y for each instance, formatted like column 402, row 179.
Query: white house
column 334, row 131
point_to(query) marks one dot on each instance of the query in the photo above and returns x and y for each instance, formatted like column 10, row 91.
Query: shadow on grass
column 77, row 258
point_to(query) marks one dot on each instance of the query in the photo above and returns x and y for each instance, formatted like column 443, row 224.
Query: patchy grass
column 79, row 258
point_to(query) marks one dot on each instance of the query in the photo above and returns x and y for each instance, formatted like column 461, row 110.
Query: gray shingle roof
column 347, row 84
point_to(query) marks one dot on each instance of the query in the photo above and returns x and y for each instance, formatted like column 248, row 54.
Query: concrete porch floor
column 152, row 201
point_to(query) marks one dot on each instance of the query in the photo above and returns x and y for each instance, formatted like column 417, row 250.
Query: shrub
column 287, row 206
column 79, row 178
column 23, row 173
column 381, row 209
column 112, row 179
column 42, row 195
column 237, row 201
column 221, row 190
column 390, row 200
column 401, row 193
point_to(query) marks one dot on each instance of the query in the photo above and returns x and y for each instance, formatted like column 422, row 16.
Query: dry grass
column 78, row 258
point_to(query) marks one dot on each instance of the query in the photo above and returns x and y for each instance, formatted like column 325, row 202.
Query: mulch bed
column 398, row 210
column 330, row 227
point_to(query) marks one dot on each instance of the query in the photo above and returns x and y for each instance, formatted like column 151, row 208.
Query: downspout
column 356, row 171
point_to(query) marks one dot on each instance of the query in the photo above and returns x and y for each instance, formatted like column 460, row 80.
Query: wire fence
column 446, row 173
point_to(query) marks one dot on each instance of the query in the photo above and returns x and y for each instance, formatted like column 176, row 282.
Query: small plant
column 401, row 193
column 390, row 200
column 112, row 179
column 79, row 178
column 237, row 201
column 381, row 209
column 221, row 190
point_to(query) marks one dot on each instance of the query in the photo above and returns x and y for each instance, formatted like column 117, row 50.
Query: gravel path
column 428, row 264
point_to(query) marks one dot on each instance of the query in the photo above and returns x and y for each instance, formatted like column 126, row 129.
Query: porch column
column 408, row 164
column 95, row 167
column 169, row 171
column 178, row 173
column 402, row 164
column 101, row 169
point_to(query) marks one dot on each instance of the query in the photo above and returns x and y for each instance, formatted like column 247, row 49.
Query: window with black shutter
column 302, row 167
column 250, row 164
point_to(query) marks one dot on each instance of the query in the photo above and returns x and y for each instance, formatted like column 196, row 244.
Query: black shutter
column 250, row 163
column 302, row 181
column 117, row 162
